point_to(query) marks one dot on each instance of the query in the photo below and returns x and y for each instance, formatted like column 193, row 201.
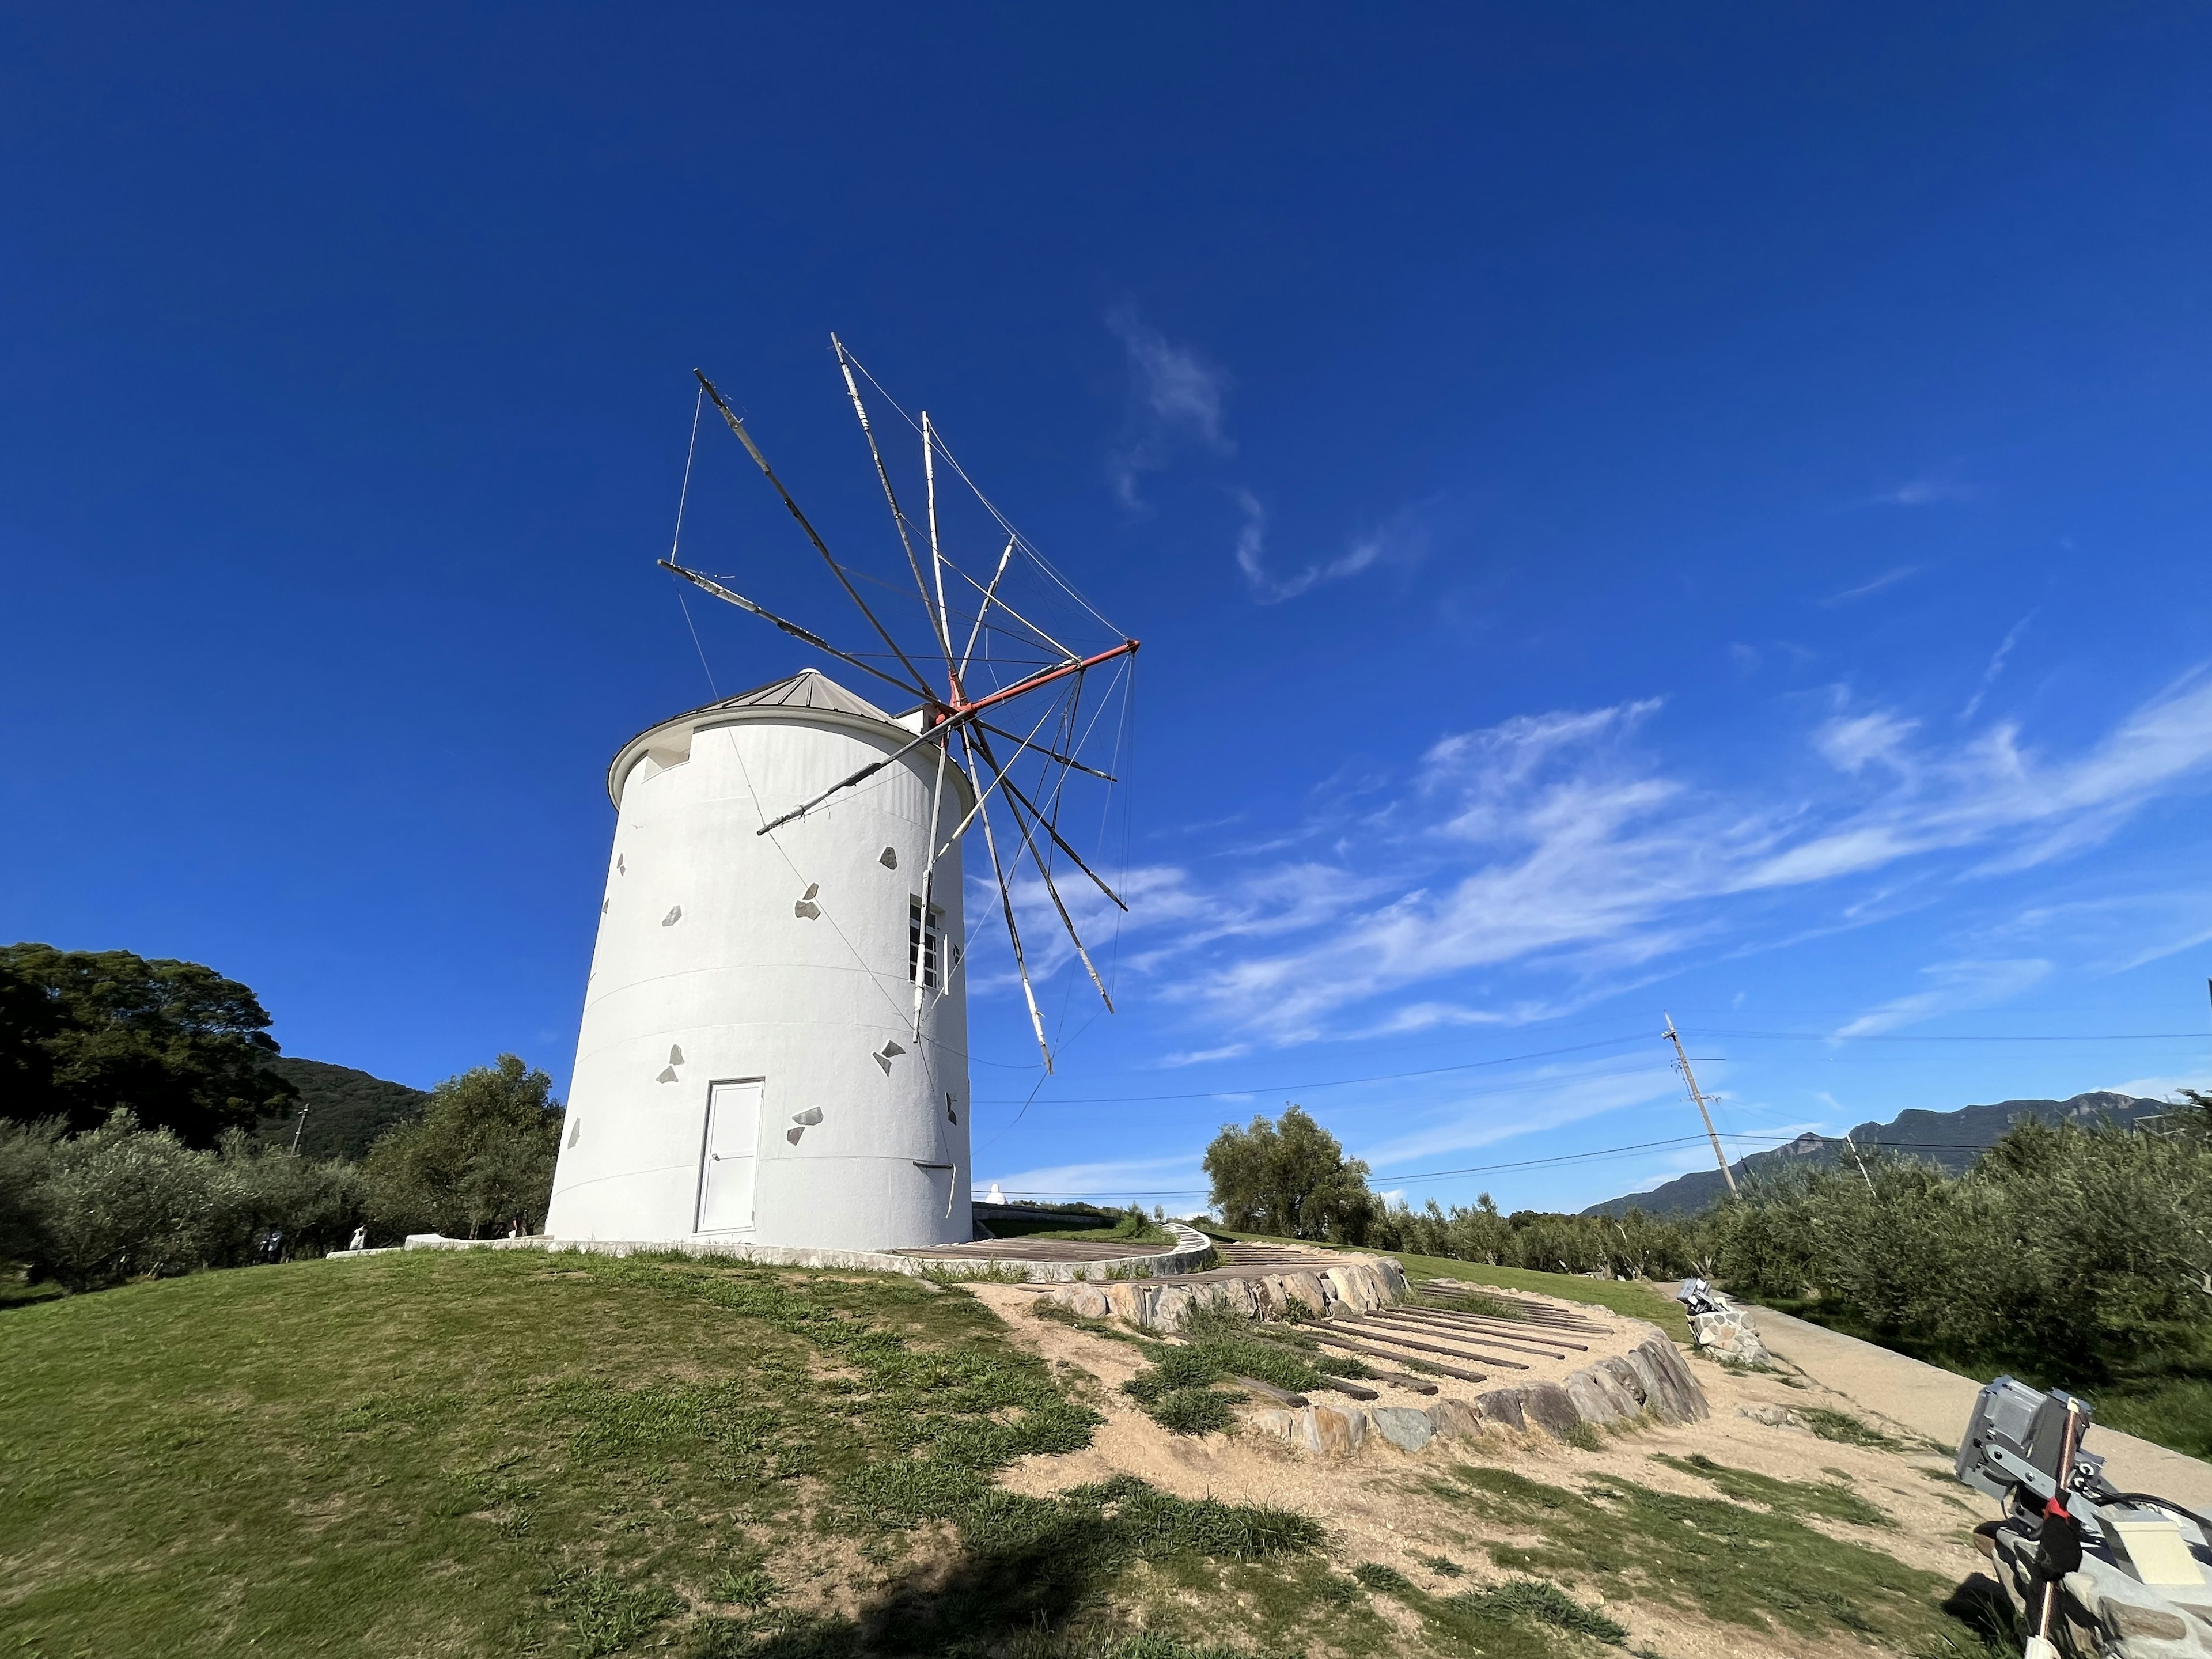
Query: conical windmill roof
column 669, row 740
column 808, row 688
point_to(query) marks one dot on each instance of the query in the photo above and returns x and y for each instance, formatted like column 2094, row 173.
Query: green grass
column 1623, row 1296
column 1846, row 1429
column 1220, row 1345
column 443, row 1456
column 14, row 1292
column 1833, row 1501
column 1765, row 1569
column 500, row 1454
column 1545, row 1603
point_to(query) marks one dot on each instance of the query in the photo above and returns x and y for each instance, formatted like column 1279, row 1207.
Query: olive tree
column 1289, row 1177
column 480, row 1158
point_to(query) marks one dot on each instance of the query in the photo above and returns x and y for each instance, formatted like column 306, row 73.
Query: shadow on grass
column 1032, row 1576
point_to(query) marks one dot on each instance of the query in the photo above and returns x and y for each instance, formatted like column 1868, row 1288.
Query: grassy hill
column 496, row 1455
column 347, row 1108
column 1951, row 1139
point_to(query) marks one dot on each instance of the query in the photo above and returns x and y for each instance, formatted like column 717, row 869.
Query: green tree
column 1290, row 1178
column 119, row 1202
column 87, row 1033
column 479, row 1158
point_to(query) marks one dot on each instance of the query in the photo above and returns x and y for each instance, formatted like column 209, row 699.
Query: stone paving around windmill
column 1565, row 1365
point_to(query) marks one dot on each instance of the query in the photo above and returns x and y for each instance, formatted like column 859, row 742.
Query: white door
column 725, row 1180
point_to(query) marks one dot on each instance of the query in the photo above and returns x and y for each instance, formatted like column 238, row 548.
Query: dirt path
column 1936, row 1403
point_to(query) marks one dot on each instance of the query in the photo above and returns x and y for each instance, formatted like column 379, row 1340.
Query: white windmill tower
column 774, row 1049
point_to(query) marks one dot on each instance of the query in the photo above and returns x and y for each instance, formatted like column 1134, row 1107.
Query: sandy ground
column 1377, row 1510
column 1936, row 1403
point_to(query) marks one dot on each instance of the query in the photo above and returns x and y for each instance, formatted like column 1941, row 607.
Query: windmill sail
column 998, row 645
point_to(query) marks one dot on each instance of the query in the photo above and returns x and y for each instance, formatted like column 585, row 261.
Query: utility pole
column 1861, row 1162
column 1691, row 1078
column 299, row 1129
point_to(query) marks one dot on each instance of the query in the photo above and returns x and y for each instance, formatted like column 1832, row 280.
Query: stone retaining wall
column 1650, row 1377
column 1362, row 1282
column 1728, row 1335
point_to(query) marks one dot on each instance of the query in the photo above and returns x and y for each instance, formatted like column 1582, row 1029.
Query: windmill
column 1030, row 669
column 773, row 1054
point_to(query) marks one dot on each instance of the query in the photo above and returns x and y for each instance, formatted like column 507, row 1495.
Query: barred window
column 924, row 959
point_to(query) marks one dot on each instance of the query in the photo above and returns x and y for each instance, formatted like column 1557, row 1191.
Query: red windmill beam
column 967, row 709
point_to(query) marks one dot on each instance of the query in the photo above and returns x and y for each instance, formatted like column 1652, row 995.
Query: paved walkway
column 1930, row 1401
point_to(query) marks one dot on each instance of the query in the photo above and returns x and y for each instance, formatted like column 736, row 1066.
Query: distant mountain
column 1952, row 1139
column 346, row 1109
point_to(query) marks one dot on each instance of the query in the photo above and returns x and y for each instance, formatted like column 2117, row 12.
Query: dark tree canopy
column 478, row 1159
column 1289, row 1178
column 85, row 1033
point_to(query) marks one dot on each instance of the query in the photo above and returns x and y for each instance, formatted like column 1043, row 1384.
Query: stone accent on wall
column 1728, row 1335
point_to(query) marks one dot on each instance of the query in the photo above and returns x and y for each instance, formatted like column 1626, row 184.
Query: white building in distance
column 748, row 1068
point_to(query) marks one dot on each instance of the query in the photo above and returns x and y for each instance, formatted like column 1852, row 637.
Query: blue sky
column 1626, row 510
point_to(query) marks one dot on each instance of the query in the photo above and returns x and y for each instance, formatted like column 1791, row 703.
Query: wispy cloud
column 1206, row 1056
column 1399, row 540
column 2115, row 932
column 1996, row 666
column 1541, row 1097
column 1178, row 408
column 1179, row 399
column 1887, row 579
column 1557, row 844
column 1924, row 492
column 1954, row 985
column 1854, row 743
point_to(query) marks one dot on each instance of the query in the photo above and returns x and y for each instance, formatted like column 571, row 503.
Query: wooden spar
column 984, row 794
column 1066, row 920
column 796, row 632
column 1378, row 1353
column 1525, row 1327
column 1014, row 790
column 1534, row 1341
column 1013, row 931
column 1391, row 1336
column 940, row 729
column 1043, row 636
column 1533, row 1312
column 883, row 474
column 1268, row 1391
column 984, row 608
column 1046, row 675
column 730, row 419
column 1457, row 1334
column 936, row 553
column 945, row 450
column 1346, row 1386
column 1403, row 1380
column 1049, row 754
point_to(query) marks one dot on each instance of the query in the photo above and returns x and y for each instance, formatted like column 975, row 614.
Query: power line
column 1580, row 1048
column 1334, row 1083
column 1540, row 1163
column 1885, row 1036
